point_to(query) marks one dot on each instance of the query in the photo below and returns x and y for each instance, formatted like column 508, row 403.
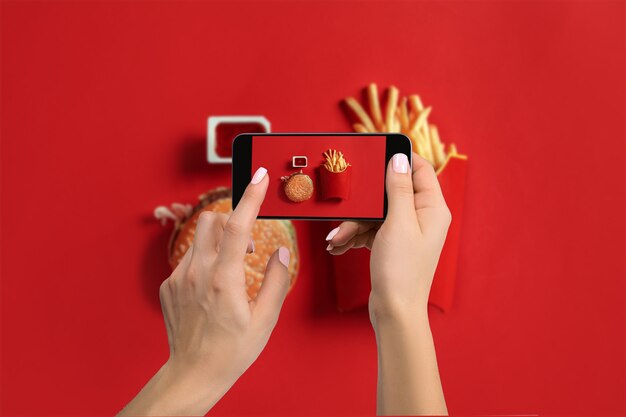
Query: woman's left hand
column 215, row 333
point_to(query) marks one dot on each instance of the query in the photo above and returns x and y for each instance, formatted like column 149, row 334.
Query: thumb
column 274, row 287
column 400, row 199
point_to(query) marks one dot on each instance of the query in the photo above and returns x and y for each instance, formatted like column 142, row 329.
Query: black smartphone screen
column 329, row 176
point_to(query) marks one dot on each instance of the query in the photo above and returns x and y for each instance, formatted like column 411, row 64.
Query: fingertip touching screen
column 322, row 176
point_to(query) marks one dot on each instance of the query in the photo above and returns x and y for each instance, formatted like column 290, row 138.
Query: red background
column 365, row 154
column 104, row 108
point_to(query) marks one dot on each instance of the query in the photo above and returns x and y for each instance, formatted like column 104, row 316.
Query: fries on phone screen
column 335, row 161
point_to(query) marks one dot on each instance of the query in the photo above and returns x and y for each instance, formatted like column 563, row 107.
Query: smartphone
column 318, row 176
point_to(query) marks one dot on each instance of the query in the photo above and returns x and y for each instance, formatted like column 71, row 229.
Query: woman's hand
column 215, row 333
column 406, row 247
column 405, row 251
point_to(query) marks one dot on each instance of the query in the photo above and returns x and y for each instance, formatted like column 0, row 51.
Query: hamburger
column 298, row 187
column 268, row 236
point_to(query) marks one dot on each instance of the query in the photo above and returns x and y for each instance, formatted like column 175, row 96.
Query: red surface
column 352, row 270
column 104, row 108
column 366, row 154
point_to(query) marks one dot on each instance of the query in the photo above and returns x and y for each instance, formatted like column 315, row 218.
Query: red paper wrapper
column 335, row 184
column 352, row 269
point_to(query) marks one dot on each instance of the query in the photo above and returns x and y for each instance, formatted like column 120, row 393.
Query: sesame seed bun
column 268, row 236
column 298, row 187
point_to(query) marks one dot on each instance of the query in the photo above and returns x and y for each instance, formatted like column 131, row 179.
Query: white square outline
column 213, row 121
column 293, row 161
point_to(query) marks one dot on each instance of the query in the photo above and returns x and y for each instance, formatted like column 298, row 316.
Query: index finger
column 238, row 228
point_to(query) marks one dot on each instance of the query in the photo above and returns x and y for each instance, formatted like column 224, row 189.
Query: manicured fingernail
column 329, row 247
column 283, row 256
column 400, row 163
column 258, row 175
column 332, row 234
column 251, row 246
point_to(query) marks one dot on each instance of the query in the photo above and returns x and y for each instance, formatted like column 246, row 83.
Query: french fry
column 396, row 124
column 372, row 95
column 421, row 119
column 415, row 107
column 397, row 117
column 360, row 113
column 427, row 152
column 417, row 146
column 392, row 103
column 426, row 132
column 335, row 161
column 403, row 116
column 438, row 151
column 359, row 128
column 452, row 149
column 416, row 103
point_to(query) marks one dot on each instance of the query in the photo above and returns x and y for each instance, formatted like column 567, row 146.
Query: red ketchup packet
column 351, row 270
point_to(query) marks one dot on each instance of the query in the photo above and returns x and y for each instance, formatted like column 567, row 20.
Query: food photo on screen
column 322, row 176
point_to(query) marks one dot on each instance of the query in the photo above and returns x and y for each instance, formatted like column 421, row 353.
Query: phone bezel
column 242, row 166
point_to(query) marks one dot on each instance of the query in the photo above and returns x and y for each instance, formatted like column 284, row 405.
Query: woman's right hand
column 406, row 247
column 405, row 252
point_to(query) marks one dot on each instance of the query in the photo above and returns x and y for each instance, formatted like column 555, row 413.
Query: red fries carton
column 351, row 270
column 335, row 184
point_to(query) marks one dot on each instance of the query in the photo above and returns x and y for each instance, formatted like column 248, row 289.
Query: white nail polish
column 329, row 247
column 258, row 175
column 283, row 256
column 400, row 163
column 332, row 234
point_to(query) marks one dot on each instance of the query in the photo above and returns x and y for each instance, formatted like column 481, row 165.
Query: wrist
column 386, row 311
column 193, row 388
column 178, row 390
